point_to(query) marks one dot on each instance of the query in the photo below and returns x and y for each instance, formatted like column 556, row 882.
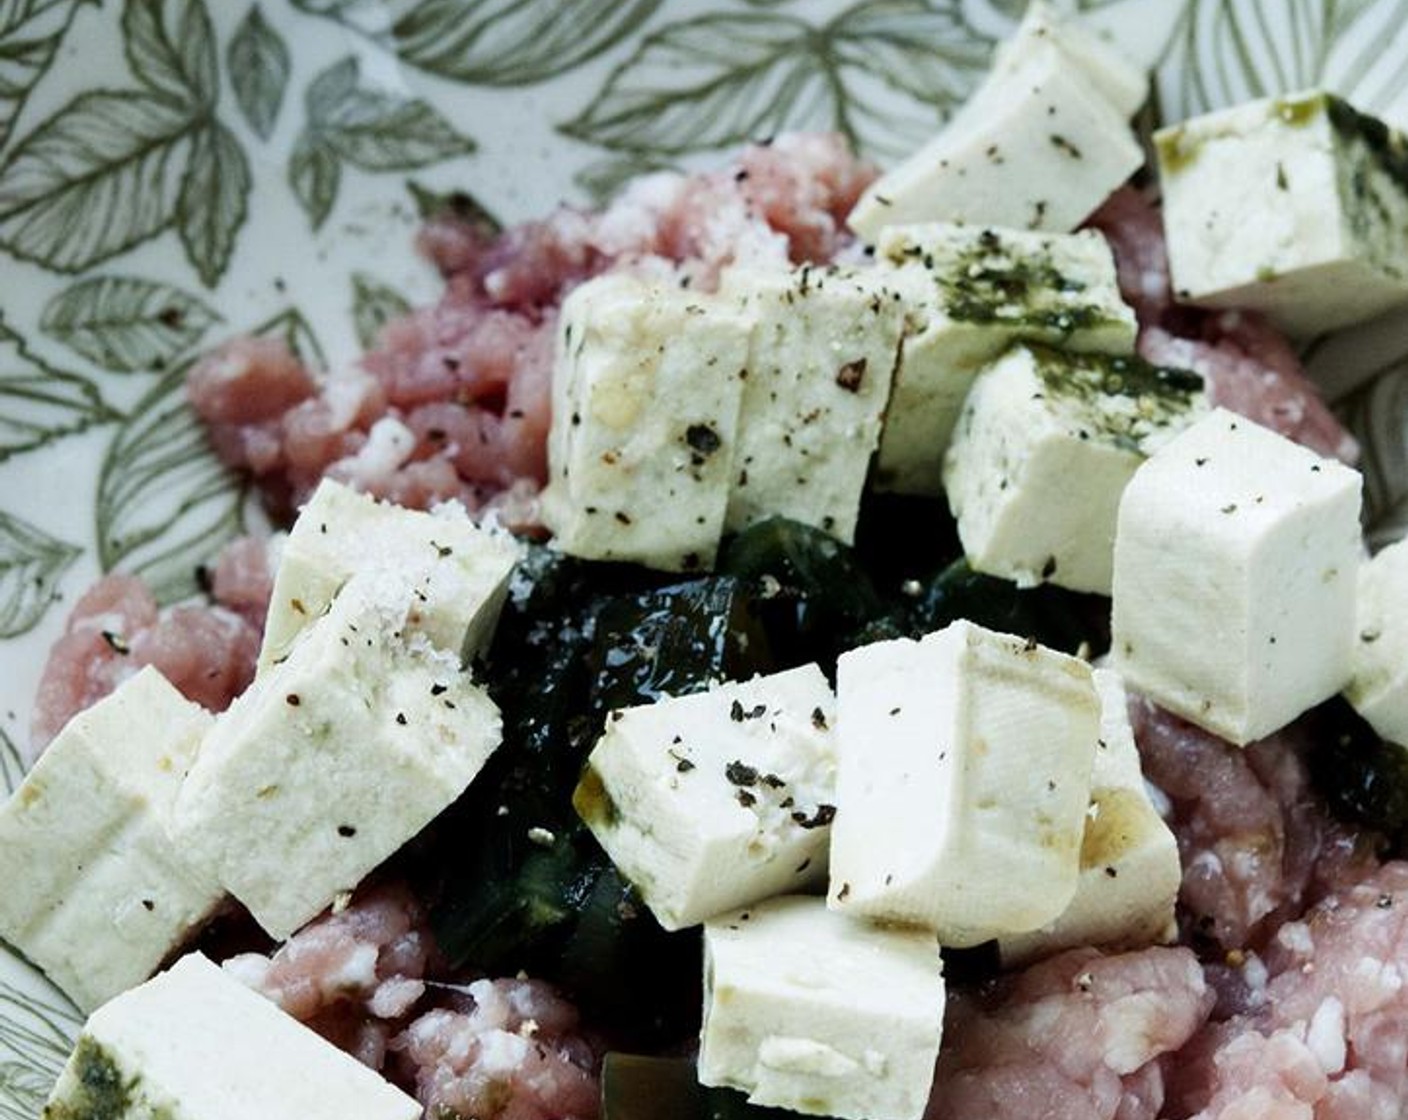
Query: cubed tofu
column 196, row 1044
column 646, row 389
column 1236, row 553
column 823, row 352
column 333, row 759
column 969, row 292
column 963, row 781
column 459, row 569
column 1047, row 442
column 1043, row 27
column 94, row 892
column 1378, row 688
column 720, row 799
column 1129, row 867
column 1038, row 146
column 1294, row 206
column 812, row 1011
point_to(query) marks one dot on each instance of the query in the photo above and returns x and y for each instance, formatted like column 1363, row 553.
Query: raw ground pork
column 453, row 402
column 116, row 629
column 496, row 1049
column 1078, row 1037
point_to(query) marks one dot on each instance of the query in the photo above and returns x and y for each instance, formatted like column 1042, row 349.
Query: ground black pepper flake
column 438, row 689
column 293, row 700
column 746, row 799
column 844, row 893
column 818, row 719
column 823, row 816
column 346, row 830
column 850, row 375
column 401, row 718
column 702, row 438
column 772, row 781
column 684, row 766
column 741, row 774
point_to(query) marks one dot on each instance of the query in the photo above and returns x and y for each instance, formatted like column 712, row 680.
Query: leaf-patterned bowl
column 174, row 172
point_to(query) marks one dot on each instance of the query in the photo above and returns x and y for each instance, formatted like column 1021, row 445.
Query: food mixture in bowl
column 868, row 645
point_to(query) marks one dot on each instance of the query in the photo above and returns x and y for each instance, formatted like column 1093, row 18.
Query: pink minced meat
column 354, row 976
column 1078, row 1037
column 495, row 1049
column 1256, row 844
column 453, row 402
column 116, row 628
column 1249, row 366
column 509, row 1050
column 1326, row 1037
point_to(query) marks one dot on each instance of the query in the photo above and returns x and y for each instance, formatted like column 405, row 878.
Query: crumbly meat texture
column 1256, row 844
column 513, row 1049
column 467, row 381
column 1081, row 1036
column 510, row 1049
column 354, row 976
column 1324, row 1027
column 116, row 628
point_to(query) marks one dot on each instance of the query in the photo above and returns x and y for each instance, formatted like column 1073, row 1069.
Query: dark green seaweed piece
column 814, row 597
column 1061, row 619
column 641, row 1088
column 674, row 640
column 1363, row 778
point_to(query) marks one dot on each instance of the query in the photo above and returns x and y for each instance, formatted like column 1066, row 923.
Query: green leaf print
column 214, row 201
column 1227, row 51
column 171, row 48
column 491, row 42
column 372, row 129
column 30, row 33
column 258, row 62
column 878, row 73
column 126, row 324
column 38, row 403
column 100, row 176
column 165, row 502
column 373, row 306
column 114, row 168
column 31, row 564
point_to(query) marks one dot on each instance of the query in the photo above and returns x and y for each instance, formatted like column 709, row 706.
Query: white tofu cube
column 1043, row 27
column 963, row 781
column 459, row 569
column 969, row 293
column 1047, row 442
column 1294, row 206
column 823, row 352
column 1236, row 554
column 720, row 799
column 808, row 1010
column 646, row 388
column 94, row 892
column 1038, row 146
column 1378, row 688
column 196, row 1044
column 1129, row 867
column 333, row 759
